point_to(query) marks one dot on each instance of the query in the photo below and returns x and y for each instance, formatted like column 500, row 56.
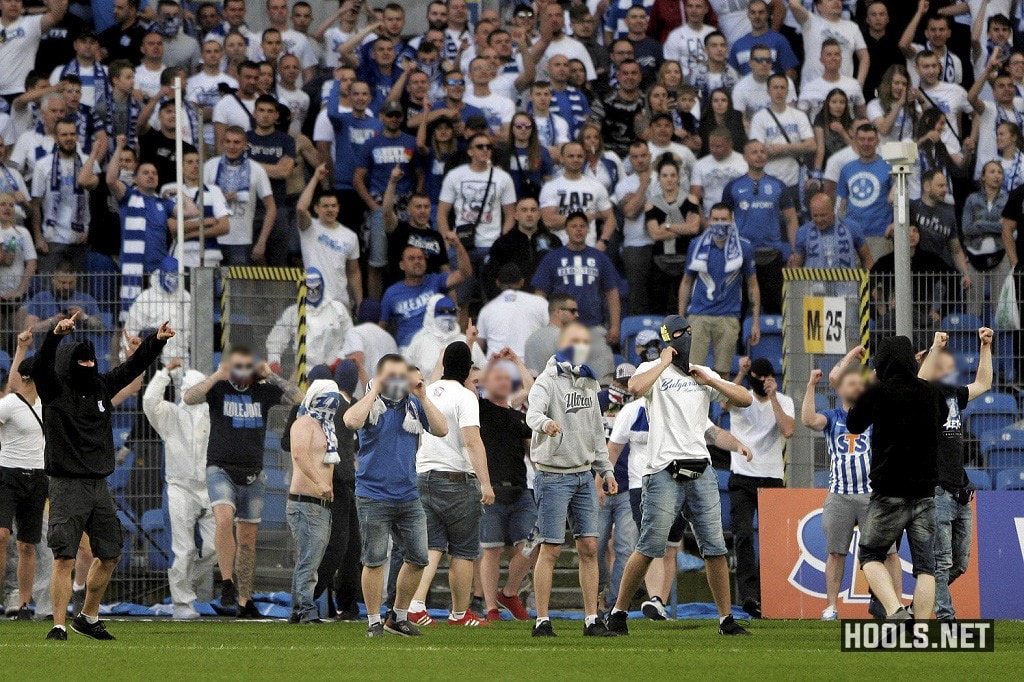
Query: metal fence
column 828, row 312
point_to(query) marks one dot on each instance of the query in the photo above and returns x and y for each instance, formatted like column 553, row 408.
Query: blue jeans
column 663, row 499
column 618, row 514
column 952, row 548
column 310, row 525
column 246, row 499
column 565, row 497
column 508, row 523
column 453, row 512
column 381, row 519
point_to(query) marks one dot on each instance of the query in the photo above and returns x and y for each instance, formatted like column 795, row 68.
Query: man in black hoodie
column 907, row 414
column 79, row 455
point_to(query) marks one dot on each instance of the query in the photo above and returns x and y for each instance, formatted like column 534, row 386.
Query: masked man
column 440, row 328
column 165, row 299
column 327, row 323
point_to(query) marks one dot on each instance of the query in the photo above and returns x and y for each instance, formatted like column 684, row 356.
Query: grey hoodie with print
column 563, row 395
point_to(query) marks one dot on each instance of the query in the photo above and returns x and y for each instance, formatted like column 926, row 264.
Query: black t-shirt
column 502, row 430
column 123, row 43
column 238, row 425
column 950, row 455
column 682, row 244
column 407, row 235
column 158, row 150
column 270, row 149
column 56, row 46
column 1014, row 210
column 618, row 121
column 526, row 252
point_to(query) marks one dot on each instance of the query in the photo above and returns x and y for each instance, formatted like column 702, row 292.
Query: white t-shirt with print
column 713, row 175
column 202, row 89
column 17, row 240
column 951, row 99
column 624, row 434
column 329, row 249
column 461, row 408
column 763, row 127
column 816, row 30
column 813, row 94
column 498, row 109
column 686, row 46
column 749, row 96
column 229, row 112
column 18, row 52
column 677, row 409
column 465, row 188
column 58, row 228
column 583, row 194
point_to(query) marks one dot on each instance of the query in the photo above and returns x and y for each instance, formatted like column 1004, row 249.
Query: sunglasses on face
column 762, row 60
column 524, row 126
column 483, row 146
column 455, row 84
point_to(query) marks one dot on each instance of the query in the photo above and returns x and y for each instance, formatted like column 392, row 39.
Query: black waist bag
column 687, row 469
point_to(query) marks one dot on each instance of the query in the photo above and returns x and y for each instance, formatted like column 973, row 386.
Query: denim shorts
column 246, row 500
column 453, row 513
column 887, row 518
column 565, row 498
column 664, row 498
column 379, row 520
column 508, row 523
column 675, row 533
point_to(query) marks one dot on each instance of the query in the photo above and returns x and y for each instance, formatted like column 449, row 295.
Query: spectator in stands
column 96, row 86
column 543, row 343
column 180, row 49
column 981, row 231
column 185, row 430
column 351, row 129
column 954, row 491
column 165, row 299
column 123, row 40
column 207, row 86
column 17, row 260
column 215, row 214
column 880, row 38
column 813, row 94
column 404, row 303
column 716, row 74
column 830, row 133
column 711, row 291
column 414, row 231
column 567, row 101
column 240, row 394
column 327, row 323
column 685, row 44
column 236, row 109
column 91, row 130
column 526, row 243
column 23, row 483
column 528, row 161
column 631, row 194
column 327, row 245
column 588, row 275
column 647, row 51
column 511, row 317
column 584, row 29
column 151, row 67
column 59, row 301
column 786, row 134
column 573, row 192
column 616, row 112
column 125, row 106
column 274, row 151
column 864, row 187
column 568, row 442
column 40, row 140
column 18, row 51
column 750, row 94
column 390, row 418
column 767, row 423
column 440, row 329
column 765, row 215
column 672, row 219
column 828, row 241
column 949, row 98
column 937, row 223
column 158, row 145
column 761, row 33
column 314, row 450
column 713, row 172
column 234, row 20
column 243, row 182
column 826, row 22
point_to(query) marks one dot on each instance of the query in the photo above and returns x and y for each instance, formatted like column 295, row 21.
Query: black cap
column 88, row 35
column 391, row 107
column 476, row 121
column 509, row 274
column 25, row 367
column 523, row 10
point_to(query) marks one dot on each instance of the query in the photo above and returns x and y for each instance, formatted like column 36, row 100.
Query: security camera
column 899, row 153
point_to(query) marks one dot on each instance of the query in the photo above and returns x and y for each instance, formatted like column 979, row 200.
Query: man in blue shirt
column 865, row 184
column 829, row 242
column 351, row 130
column 377, row 158
column 711, row 294
column 405, row 302
column 389, row 419
column 454, row 89
column 588, row 276
column 380, row 71
column 763, row 206
column 784, row 60
column 62, row 300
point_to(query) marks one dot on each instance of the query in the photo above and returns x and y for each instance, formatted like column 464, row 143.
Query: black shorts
column 80, row 505
column 22, row 500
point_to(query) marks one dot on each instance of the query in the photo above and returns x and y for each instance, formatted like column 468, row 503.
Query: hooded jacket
column 906, row 413
column 153, row 307
column 185, row 429
column 430, row 341
column 327, row 325
column 77, row 415
column 565, row 395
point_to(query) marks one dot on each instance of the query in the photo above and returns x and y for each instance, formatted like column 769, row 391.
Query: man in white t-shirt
column 204, row 88
column 453, row 482
column 631, row 194
column 243, row 183
column 498, row 109
column 713, row 172
column 828, row 23
column 1004, row 106
column 685, row 44
column 554, row 19
column 478, row 188
column 937, row 32
column 572, row 191
column 677, row 397
column 509, row 318
column 327, row 245
column 662, row 144
column 951, row 99
column 814, row 93
column 21, row 41
column 34, row 144
column 750, row 94
column 147, row 73
column 215, row 214
column 294, row 42
column 236, row 109
column 785, row 132
column 764, row 427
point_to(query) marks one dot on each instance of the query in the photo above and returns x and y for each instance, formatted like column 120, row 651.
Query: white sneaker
column 830, row 613
column 185, row 612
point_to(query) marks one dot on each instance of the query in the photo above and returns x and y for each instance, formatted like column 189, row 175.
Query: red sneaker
column 469, row 620
column 513, row 605
column 421, row 618
column 493, row 615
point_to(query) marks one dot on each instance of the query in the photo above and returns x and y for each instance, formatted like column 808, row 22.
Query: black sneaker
column 654, row 609
column 729, row 626
column 403, row 628
column 543, row 629
column 57, row 634
column 348, row 616
column 375, row 630
column 249, row 610
column 228, row 599
column 77, row 601
column 875, row 608
column 900, row 614
column 752, row 607
column 95, row 630
column 24, row 613
column 616, row 622
column 294, row 618
column 598, row 629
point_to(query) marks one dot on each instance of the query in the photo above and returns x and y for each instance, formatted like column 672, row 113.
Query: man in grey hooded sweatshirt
column 568, row 443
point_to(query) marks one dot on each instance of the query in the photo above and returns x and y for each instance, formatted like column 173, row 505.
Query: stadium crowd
column 481, row 205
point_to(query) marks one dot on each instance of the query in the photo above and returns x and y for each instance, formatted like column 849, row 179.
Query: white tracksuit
column 153, row 307
column 185, row 430
column 326, row 327
column 428, row 344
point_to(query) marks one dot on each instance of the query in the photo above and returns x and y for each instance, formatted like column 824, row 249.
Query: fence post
column 202, row 319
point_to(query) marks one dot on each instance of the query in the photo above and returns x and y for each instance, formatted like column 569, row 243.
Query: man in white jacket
column 440, row 328
column 165, row 300
column 185, row 430
column 327, row 323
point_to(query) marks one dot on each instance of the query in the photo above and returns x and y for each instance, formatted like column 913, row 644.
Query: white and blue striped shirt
column 849, row 455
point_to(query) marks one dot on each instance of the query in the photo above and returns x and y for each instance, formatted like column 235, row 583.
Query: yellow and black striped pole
column 300, row 350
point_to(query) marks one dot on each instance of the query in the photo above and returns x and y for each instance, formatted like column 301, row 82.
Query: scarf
column 193, row 119
column 80, row 219
column 843, row 255
column 410, row 424
column 210, row 247
column 321, row 403
column 233, row 176
column 673, row 214
column 8, row 183
column 702, row 253
column 99, row 81
column 1013, row 171
column 565, row 366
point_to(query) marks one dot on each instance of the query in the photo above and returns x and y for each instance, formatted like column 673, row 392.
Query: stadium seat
column 158, row 543
column 992, row 411
column 1006, row 361
column 963, row 333
column 1010, row 479
column 770, row 345
column 1007, row 439
column 821, row 479
column 980, row 478
column 618, row 359
column 629, row 328
column 119, row 479
column 821, row 402
column 1005, row 457
column 128, row 522
column 967, row 364
column 275, row 497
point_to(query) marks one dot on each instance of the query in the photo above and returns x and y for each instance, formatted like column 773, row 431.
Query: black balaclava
column 762, row 367
column 669, row 326
column 82, row 377
column 457, row 362
column 894, row 359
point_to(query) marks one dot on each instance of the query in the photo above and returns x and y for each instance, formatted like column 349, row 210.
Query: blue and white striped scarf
column 233, row 176
column 193, row 119
column 702, row 253
column 211, row 249
column 99, row 81
column 80, row 218
column 133, row 247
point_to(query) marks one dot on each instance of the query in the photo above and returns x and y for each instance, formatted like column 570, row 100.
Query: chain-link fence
column 828, row 312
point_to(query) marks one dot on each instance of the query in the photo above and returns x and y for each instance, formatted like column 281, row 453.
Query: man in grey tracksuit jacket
column 568, row 444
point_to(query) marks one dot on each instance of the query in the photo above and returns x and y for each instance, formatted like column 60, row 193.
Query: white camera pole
column 179, row 178
column 902, row 156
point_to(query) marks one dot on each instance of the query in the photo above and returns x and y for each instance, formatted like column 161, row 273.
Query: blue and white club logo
column 864, row 189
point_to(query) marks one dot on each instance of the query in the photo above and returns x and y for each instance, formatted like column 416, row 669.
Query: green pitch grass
column 225, row 650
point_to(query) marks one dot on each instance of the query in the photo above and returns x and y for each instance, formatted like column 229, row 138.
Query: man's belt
column 451, row 476
column 309, row 499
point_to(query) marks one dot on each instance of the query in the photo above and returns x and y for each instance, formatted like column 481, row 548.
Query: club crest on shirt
column 574, row 402
column 99, row 404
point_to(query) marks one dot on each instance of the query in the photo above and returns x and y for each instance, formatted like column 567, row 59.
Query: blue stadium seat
column 618, row 359
column 156, row 525
column 1006, row 362
column 963, row 332
column 771, row 325
column 277, row 479
column 967, row 364
column 723, row 493
column 5, row 362
column 119, row 479
column 130, row 531
column 1006, row 439
column 992, row 411
column 980, row 478
column 1005, row 458
column 821, row 479
column 630, row 327
column 1010, row 479
column 821, row 402
column 770, row 345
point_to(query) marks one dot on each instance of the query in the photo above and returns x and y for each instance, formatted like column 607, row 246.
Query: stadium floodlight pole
column 902, row 156
column 179, row 179
column 201, row 147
